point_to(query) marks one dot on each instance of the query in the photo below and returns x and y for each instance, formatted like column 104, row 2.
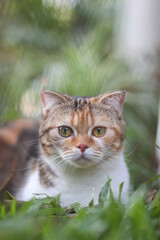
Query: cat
column 18, row 153
column 80, row 148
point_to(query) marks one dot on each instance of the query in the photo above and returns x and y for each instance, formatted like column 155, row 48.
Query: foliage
column 46, row 219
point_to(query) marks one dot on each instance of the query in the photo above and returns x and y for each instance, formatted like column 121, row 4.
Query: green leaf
column 103, row 196
column 77, row 207
column 120, row 191
column 13, row 208
column 91, row 203
column 2, row 211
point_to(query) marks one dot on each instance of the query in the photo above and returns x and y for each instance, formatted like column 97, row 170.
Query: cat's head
column 81, row 131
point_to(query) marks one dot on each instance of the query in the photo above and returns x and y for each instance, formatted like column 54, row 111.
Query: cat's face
column 81, row 131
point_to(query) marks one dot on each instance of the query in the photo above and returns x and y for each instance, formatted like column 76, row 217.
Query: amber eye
column 65, row 131
column 98, row 131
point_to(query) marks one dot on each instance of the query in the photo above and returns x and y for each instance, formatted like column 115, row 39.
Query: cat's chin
column 83, row 163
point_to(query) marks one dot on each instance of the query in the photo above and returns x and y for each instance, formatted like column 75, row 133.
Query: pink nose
column 82, row 147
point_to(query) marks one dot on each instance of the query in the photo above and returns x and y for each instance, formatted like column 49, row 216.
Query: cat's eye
column 65, row 131
column 98, row 131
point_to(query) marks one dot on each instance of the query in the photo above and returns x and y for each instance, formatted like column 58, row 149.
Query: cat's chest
column 76, row 188
column 79, row 186
column 80, row 189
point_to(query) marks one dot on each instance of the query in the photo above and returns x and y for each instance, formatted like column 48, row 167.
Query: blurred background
column 85, row 48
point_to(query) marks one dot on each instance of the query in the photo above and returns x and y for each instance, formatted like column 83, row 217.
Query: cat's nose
column 82, row 147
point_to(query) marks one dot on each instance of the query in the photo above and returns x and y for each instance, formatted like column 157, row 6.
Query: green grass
column 111, row 220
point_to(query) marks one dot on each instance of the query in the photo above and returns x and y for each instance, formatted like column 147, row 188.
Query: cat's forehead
column 82, row 116
column 82, row 111
column 86, row 112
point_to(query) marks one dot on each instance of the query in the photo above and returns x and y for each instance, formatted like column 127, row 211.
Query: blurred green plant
column 46, row 219
column 70, row 48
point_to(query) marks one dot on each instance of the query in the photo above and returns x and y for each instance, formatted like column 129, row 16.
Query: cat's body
column 79, row 185
column 81, row 147
column 19, row 142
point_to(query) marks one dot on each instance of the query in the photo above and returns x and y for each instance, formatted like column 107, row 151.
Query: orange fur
column 10, row 133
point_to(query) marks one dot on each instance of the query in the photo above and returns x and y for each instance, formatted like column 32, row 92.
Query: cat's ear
column 115, row 99
column 49, row 99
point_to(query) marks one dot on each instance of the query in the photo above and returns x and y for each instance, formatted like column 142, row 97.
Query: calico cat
column 80, row 147
column 18, row 153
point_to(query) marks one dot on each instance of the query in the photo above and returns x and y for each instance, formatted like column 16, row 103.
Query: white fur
column 79, row 184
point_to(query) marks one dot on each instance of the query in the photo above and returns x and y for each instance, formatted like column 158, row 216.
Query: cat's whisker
column 98, row 155
column 130, row 153
column 61, row 166
column 43, row 165
column 110, row 164
column 27, row 154
column 108, row 153
column 54, row 157
column 107, row 156
column 58, row 163
column 102, row 166
column 29, row 167
column 67, row 152
column 139, row 169
column 64, row 166
column 33, row 141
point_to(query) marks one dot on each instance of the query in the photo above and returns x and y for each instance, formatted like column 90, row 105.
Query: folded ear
column 49, row 99
column 115, row 99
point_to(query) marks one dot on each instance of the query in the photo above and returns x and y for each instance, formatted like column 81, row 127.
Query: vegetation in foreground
column 111, row 220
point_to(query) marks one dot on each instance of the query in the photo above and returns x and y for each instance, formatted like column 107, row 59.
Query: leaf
column 120, row 191
column 157, row 146
column 91, row 203
column 5, row 195
column 13, row 207
column 104, row 193
column 154, row 178
column 77, row 207
column 3, row 211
